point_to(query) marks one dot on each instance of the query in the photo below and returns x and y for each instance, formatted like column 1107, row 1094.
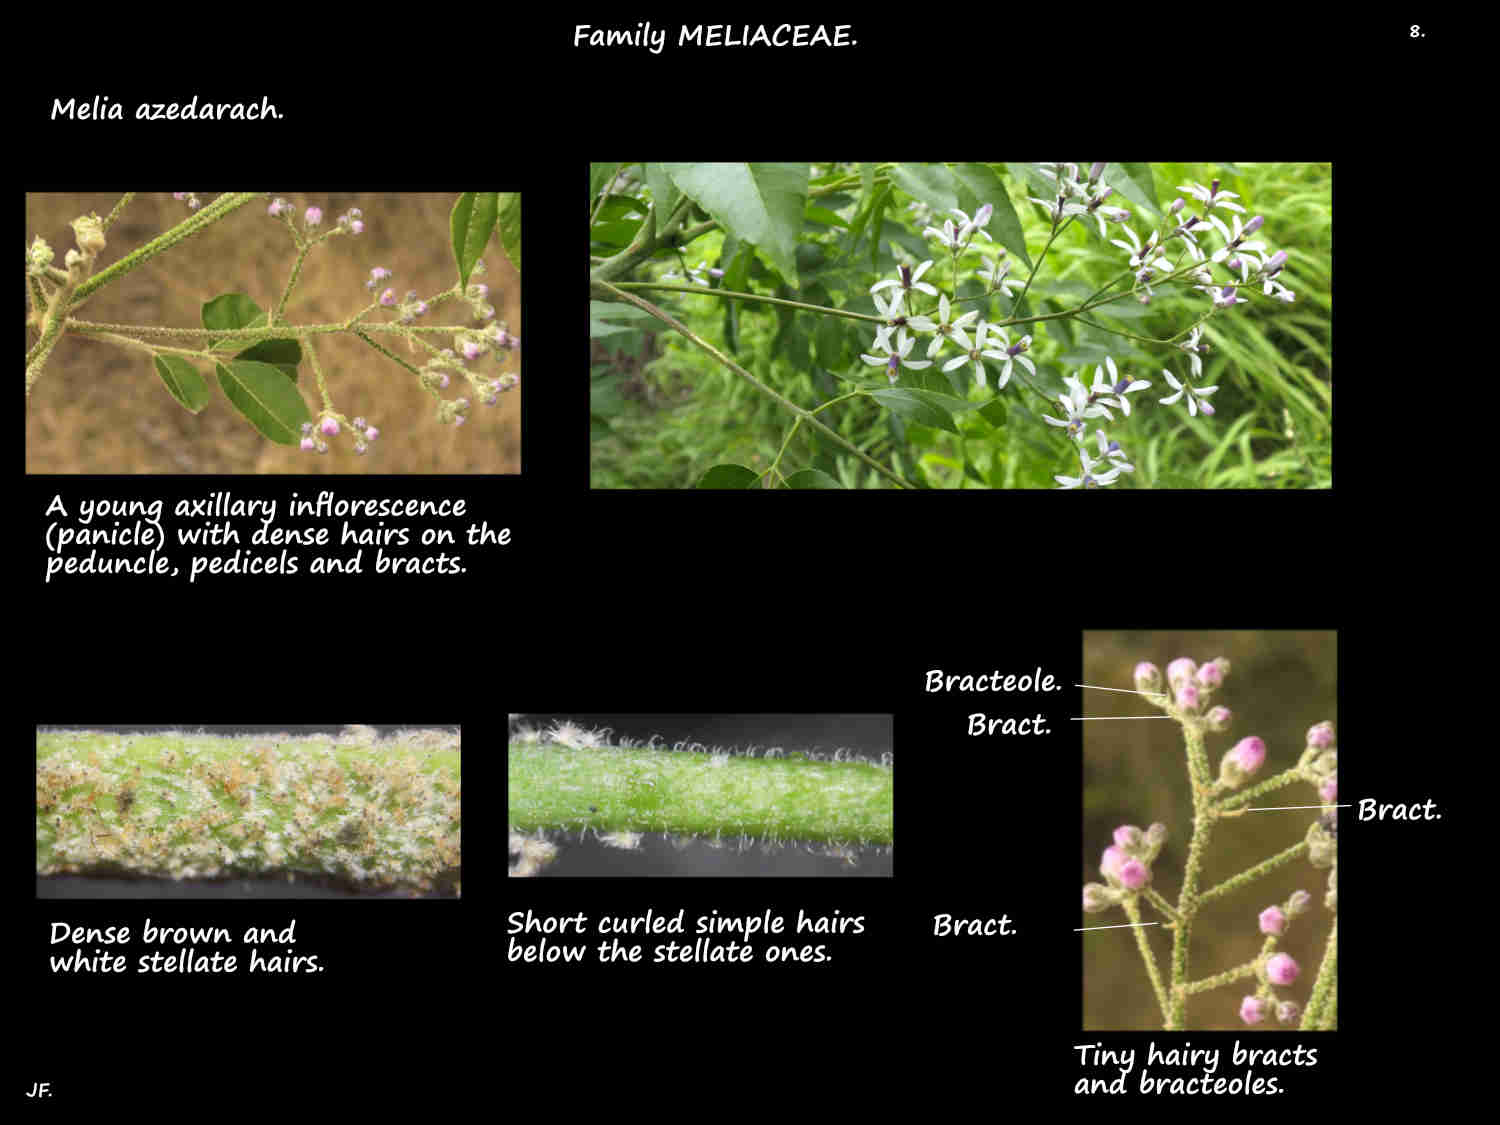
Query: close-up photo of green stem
column 356, row 808
column 1214, row 903
column 570, row 783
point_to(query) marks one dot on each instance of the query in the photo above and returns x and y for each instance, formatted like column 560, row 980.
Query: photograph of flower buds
column 1037, row 326
column 1209, row 832
column 256, row 332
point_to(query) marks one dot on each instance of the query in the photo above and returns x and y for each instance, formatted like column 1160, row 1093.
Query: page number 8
column 1417, row 32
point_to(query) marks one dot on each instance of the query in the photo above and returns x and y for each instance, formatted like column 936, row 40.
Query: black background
column 751, row 603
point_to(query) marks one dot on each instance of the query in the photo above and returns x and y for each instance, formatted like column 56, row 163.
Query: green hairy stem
column 614, row 790
column 368, row 811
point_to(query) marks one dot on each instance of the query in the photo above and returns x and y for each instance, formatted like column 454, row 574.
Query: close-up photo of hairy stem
column 569, row 783
column 359, row 809
column 1223, row 912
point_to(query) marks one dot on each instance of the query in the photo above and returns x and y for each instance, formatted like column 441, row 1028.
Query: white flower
column 1014, row 353
column 910, row 279
column 949, row 235
column 1089, row 479
column 891, row 310
column 1112, row 450
column 1235, row 240
column 1212, row 197
column 994, row 277
column 975, row 225
column 1054, row 207
column 976, row 354
column 1076, row 411
column 1065, row 176
column 1147, row 256
column 1119, row 386
column 1279, row 291
column 1193, row 394
column 1195, row 349
column 945, row 328
column 1224, row 297
column 895, row 358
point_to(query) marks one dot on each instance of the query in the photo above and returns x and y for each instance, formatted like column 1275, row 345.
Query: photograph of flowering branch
column 873, row 325
column 1210, row 840
column 254, row 332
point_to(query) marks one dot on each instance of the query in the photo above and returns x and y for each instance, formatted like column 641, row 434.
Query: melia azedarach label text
column 102, row 108
column 979, row 723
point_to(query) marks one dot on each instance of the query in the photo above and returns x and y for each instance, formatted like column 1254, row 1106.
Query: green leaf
column 1135, row 182
column 182, row 381
column 816, row 214
column 284, row 355
column 472, row 223
column 811, row 478
column 601, row 312
column 933, row 184
column 230, row 311
column 1005, row 225
column 267, row 399
column 762, row 204
column 993, row 412
column 729, row 476
column 599, row 175
column 508, row 225
column 664, row 192
column 913, row 406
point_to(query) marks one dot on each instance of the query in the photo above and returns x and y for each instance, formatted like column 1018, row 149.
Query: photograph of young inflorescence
column 304, row 332
column 1210, row 837
column 701, row 795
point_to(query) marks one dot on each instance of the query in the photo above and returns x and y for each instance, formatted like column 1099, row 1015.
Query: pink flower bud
column 1147, row 677
column 1218, row 718
column 1320, row 735
column 1187, row 696
column 330, row 427
column 314, row 216
column 1252, row 1009
column 1180, row 671
column 1272, row 921
column 1134, row 874
column 1096, row 897
column 1281, row 969
column 388, row 298
column 308, row 445
column 371, row 434
column 1209, row 676
column 1329, row 790
column 1109, row 865
column 1128, row 837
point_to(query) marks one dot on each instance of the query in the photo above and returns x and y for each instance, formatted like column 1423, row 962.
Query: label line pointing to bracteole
column 1126, row 926
column 1127, row 691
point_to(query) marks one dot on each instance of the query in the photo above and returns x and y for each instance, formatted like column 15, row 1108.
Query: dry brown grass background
column 99, row 408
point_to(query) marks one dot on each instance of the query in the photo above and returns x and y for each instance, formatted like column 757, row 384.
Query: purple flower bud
column 1187, row 696
column 371, row 433
column 480, row 291
column 1281, row 969
column 460, row 420
column 1205, row 407
column 330, row 427
column 1272, row 921
column 1276, row 261
column 1177, row 205
column 1255, row 224
column 1096, row 171
column 313, row 216
column 1329, row 790
column 1134, row 874
column 357, row 227
column 308, row 445
column 1249, row 754
column 420, row 308
column 1252, row 1009
column 1233, row 263
column 472, row 350
column 1128, row 837
column 1147, row 677
column 1209, row 676
column 380, row 273
column 306, row 428
column 982, row 216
